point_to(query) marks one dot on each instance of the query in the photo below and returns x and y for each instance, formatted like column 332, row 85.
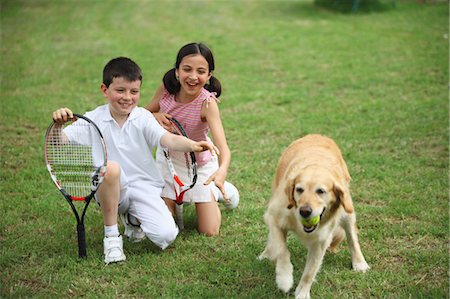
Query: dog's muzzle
column 305, row 213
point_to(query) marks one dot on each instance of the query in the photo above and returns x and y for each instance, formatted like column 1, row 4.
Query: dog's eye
column 299, row 190
column 320, row 191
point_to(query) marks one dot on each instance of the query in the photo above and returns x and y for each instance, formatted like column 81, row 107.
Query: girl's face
column 193, row 74
column 122, row 96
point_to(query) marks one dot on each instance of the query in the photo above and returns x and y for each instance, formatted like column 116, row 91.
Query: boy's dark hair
column 170, row 81
column 121, row 67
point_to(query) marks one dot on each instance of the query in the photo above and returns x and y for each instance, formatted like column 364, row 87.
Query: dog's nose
column 305, row 212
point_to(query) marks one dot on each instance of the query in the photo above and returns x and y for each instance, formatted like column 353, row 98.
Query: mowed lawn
column 376, row 81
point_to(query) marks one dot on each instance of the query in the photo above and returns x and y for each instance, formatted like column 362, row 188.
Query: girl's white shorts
column 200, row 192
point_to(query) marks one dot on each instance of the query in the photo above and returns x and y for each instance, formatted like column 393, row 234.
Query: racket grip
column 81, row 240
column 179, row 216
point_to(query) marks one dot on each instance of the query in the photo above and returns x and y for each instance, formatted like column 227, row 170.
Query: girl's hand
column 219, row 180
column 62, row 115
column 163, row 120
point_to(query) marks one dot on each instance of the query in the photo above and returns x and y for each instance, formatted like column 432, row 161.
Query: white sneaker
column 233, row 196
column 134, row 233
column 113, row 249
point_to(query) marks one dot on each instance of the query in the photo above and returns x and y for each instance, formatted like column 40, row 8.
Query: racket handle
column 179, row 216
column 81, row 240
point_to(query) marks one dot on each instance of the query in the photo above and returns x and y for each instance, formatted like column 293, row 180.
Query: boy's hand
column 202, row 146
column 62, row 115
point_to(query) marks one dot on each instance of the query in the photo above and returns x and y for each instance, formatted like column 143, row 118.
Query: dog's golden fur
column 311, row 179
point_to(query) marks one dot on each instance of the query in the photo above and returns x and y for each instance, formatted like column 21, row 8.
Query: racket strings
column 72, row 156
column 188, row 161
column 180, row 155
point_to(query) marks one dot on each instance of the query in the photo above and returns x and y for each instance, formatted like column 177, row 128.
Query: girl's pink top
column 189, row 116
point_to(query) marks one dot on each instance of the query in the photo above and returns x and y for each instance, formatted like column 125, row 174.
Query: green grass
column 375, row 81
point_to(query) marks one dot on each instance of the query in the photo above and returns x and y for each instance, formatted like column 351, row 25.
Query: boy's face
column 122, row 96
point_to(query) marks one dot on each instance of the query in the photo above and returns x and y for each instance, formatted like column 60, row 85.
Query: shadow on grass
column 326, row 9
column 356, row 6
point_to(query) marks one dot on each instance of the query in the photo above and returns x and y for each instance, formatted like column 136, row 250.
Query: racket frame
column 177, row 183
column 97, row 176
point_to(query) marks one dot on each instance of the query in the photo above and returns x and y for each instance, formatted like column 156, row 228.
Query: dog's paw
column 361, row 266
column 266, row 254
column 262, row 256
column 285, row 282
column 301, row 294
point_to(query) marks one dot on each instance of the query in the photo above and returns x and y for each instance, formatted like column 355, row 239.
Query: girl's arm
column 154, row 107
column 212, row 116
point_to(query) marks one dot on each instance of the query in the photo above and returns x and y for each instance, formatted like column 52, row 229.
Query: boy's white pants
column 143, row 201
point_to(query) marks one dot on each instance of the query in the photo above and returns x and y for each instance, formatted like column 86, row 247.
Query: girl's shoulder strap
column 208, row 96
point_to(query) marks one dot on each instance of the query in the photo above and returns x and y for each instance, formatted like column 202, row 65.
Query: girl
column 189, row 93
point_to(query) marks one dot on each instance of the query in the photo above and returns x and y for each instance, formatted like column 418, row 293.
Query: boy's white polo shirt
column 132, row 145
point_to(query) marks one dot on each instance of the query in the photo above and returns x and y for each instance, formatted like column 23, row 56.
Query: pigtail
column 214, row 86
column 170, row 82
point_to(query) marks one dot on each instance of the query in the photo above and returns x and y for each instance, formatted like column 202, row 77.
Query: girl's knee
column 210, row 231
column 209, row 228
column 209, row 218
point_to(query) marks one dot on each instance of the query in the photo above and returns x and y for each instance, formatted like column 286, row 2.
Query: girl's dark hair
column 170, row 81
column 121, row 67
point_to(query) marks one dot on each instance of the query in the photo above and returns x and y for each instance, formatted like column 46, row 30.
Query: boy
column 132, row 184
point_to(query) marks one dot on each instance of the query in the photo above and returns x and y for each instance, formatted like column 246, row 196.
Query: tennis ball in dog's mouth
column 308, row 222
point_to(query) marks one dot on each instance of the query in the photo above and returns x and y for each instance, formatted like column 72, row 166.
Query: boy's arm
column 60, row 117
column 182, row 144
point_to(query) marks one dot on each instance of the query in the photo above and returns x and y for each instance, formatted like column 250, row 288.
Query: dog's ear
column 289, row 191
column 343, row 196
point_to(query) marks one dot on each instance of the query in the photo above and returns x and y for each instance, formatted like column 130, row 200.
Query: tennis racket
column 179, row 186
column 75, row 154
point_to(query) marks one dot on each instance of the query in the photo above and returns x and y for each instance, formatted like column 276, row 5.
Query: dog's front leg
column 276, row 249
column 276, row 239
column 284, row 270
column 312, row 266
column 358, row 261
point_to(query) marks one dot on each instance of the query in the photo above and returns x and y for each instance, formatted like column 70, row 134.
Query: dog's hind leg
column 358, row 261
column 338, row 237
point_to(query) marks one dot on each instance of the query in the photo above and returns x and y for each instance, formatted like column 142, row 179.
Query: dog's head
column 316, row 192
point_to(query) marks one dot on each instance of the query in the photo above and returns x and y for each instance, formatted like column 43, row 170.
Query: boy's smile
column 122, row 96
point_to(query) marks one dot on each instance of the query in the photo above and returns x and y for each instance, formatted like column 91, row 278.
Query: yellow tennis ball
column 308, row 222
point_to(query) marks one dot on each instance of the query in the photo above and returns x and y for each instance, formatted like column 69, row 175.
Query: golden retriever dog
column 311, row 183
